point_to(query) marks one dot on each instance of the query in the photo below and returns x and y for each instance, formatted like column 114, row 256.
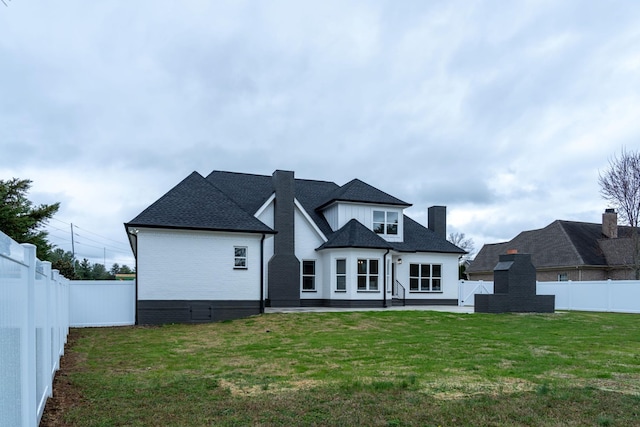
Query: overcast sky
column 504, row 111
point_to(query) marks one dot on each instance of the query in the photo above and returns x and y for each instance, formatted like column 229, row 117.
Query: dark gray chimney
column 610, row 223
column 284, row 267
column 438, row 220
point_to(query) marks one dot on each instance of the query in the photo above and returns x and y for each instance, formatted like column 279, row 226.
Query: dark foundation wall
column 154, row 312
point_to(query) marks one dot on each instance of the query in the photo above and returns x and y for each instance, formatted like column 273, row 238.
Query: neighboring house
column 566, row 250
column 225, row 246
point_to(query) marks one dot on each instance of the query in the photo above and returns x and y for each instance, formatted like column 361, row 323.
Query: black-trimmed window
column 308, row 276
column 368, row 277
column 341, row 275
column 240, row 257
column 385, row 222
column 425, row 278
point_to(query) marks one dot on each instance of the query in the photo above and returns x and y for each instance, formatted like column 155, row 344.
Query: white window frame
column 341, row 275
column 240, row 262
column 563, row 277
column 426, row 280
column 367, row 276
column 311, row 276
column 387, row 224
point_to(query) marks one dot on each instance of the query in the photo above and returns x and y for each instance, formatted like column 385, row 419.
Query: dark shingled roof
column 559, row 244
column 420, row 239
column 361, row 192
column 196, row 204
column 355, row 235
column 228, row 201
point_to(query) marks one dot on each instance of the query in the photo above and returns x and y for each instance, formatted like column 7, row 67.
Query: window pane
column 413, row 284
column 362, row 266
column 436, row 271
column 435, row 285
column 241, row 252
column 378, row 227
column 424, row 284
column 309, row 267
column 373, row 266
column 392, row 228
column 392, row 218
column 240, row 262
column 341, row 266
column 308, row 283
column 341, row 283
column 414, row 270
column 425, row 270
column 378, row 216
column 373, row 283
column 362, row 282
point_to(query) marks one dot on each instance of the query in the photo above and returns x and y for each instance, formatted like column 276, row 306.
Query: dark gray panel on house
column 284, row 267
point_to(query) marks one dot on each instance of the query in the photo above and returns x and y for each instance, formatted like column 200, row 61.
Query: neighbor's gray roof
column 559, row 244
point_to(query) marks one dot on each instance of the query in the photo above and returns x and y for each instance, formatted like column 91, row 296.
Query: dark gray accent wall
column 284, row 267
column 437, row 221
column 158, row 312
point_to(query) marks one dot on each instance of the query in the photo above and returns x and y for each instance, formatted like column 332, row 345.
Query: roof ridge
column 573, row 246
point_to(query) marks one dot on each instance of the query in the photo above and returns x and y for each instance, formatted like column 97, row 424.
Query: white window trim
column 386, row 222
column 341, row 275
column 302, row 276
column 245, row 258
column 368, row 275
column 420, row 278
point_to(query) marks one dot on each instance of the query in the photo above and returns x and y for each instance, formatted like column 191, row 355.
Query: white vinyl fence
column 607, row 295
column 34, row 324
column 98, row 303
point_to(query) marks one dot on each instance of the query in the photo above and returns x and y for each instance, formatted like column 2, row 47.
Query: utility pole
column 73, row 247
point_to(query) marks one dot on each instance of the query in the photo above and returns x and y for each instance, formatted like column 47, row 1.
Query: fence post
column 46, row 328
column 28, row 342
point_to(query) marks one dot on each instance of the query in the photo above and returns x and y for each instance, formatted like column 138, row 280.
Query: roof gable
column 355, row 235
column 361, row 192
column 196, row 204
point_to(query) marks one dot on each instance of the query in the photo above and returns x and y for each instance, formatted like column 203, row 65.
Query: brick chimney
column 610, row 223
column 437, row 220
column 284, row 267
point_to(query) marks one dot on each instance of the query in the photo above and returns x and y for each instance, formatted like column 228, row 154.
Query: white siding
column 196, row 265
column 449, row 264
column 331, row 215
column 267, row 217
column 351, row 256
column 306, row 242
column 341, row 213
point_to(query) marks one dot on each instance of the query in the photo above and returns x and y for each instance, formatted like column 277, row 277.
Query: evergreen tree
column 21, row 220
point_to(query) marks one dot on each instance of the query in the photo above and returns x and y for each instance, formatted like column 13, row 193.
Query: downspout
column 135, row 307
column 262, row 274
column 384, row 272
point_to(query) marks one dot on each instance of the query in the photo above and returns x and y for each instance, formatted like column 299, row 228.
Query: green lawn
column 394, row 368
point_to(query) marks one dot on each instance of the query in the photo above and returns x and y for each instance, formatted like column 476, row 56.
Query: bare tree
column 620, row 185
column 461, row 241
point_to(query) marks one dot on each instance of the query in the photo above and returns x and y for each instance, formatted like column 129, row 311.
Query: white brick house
column 226, row 245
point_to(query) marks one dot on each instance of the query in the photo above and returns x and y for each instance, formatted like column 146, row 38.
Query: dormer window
column 385, row 222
